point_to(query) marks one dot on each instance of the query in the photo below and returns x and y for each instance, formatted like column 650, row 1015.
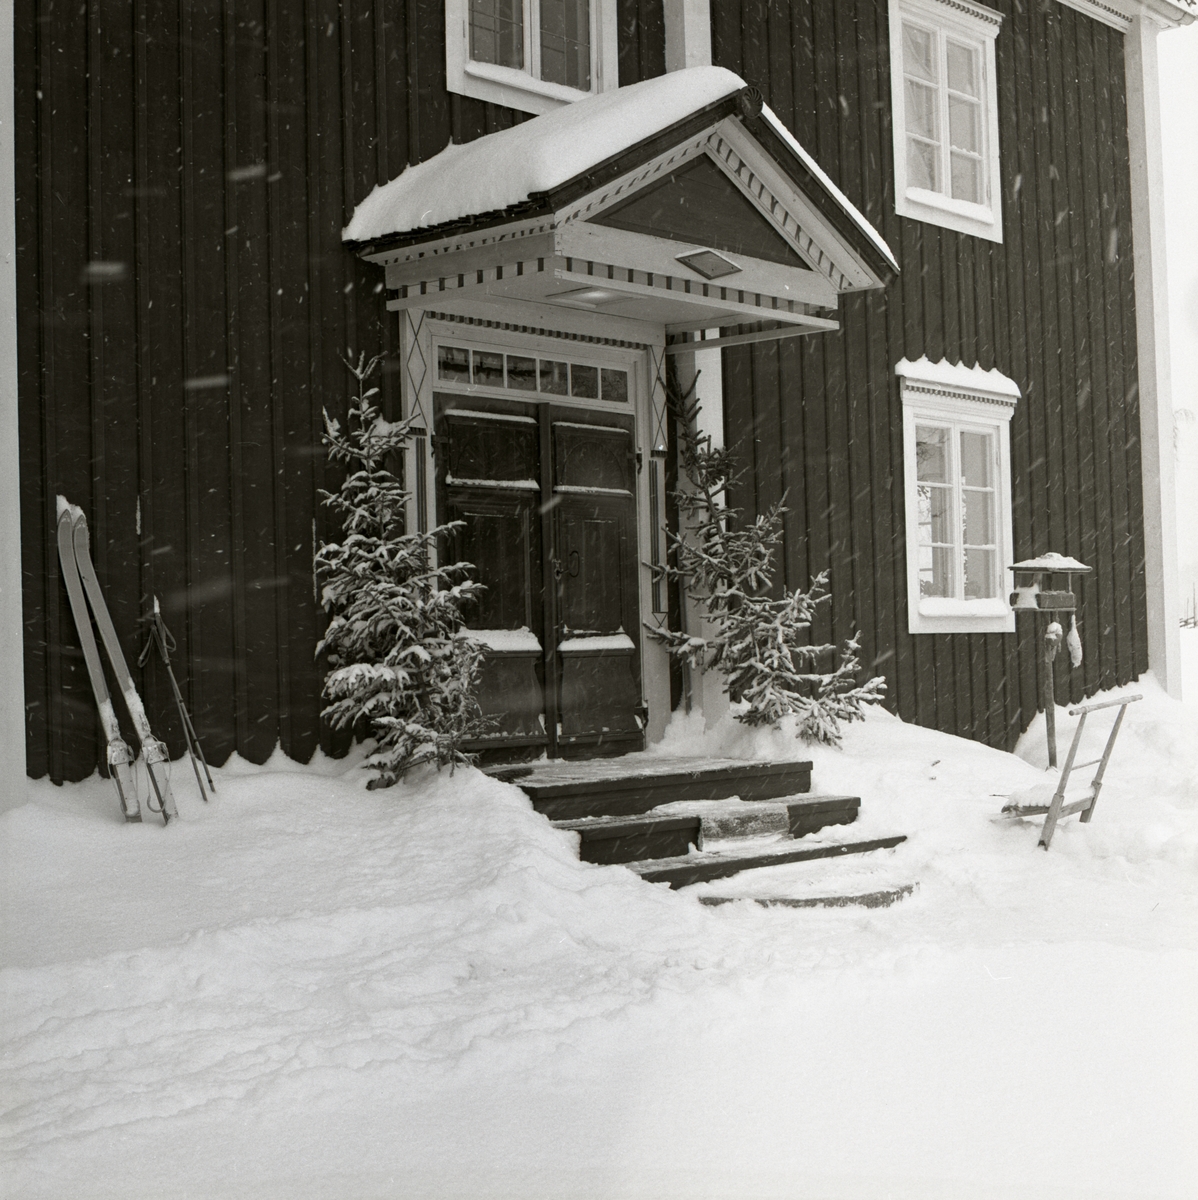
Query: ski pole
column 162, row 637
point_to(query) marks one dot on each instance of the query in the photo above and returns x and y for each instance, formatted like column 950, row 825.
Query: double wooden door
column 546, row 497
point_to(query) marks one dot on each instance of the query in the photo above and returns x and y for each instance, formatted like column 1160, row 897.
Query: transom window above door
column 532, row 55
column 475, row 367
column 945, row 101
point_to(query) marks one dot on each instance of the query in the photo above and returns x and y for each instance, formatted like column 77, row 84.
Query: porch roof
column 545, row 162
column 673, row 206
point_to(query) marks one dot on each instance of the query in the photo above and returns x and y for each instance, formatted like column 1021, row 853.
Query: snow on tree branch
column 398, row 662
column 759, row 643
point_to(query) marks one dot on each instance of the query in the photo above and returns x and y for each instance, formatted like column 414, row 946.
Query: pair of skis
column 83, row 588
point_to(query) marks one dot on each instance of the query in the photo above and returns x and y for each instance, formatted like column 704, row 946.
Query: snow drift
column 306, row 990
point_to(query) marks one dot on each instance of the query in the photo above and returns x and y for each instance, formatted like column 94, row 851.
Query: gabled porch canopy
column 670, row 206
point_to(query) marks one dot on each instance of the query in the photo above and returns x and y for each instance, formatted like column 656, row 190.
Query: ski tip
column 65, row 506
column 133, row 818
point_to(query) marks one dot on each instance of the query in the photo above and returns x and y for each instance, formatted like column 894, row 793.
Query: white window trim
column 979, row 26
column 518, row 89
column 965, row 396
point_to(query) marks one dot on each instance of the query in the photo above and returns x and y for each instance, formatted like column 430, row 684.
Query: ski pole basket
column 1057, row 808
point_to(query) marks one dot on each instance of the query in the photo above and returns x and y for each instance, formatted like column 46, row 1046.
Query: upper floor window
column 956, row 443
column 532, row 55
column 945, row 101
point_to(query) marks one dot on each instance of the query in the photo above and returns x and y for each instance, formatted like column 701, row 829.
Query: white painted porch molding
column 1152, row 350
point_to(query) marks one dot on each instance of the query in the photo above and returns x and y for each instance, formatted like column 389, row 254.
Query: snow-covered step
column 699, row 867
column 668, row 831
column 879, row 899
column 626, row 839
column 636, row 783
column 862, row 880
column 793, row 816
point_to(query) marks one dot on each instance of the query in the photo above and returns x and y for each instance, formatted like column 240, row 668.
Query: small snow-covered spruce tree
column 397, row 661
column 758, row 643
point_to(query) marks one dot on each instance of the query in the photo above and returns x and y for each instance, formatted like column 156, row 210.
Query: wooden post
column 1048, row 691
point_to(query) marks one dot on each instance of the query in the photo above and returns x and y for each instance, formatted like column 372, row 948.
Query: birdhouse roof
column 1052, row 562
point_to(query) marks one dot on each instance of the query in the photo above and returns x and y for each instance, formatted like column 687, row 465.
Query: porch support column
column 416, row 350
column 707, row 690
column 12, row 658
column 1152, row 346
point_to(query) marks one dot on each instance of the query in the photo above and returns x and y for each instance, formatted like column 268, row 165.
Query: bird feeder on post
column 1038, row 590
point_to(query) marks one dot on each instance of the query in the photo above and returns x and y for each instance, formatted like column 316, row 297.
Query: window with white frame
column 532, row 55
column 945, row 103
column 957, row 467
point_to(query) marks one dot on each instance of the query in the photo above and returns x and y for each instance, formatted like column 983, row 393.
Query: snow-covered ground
column 310, row 990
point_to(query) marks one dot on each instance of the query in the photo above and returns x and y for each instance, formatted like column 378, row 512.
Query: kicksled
column 1058, row 807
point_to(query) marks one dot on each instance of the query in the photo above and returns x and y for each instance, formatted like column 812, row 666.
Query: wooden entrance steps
column 636, row 783
column 683, row 821
column 699, row 868
column 669, row 830
column 882, row 898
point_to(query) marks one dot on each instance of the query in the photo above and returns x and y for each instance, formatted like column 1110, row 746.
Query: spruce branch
column 398, row 660
column 759, row 643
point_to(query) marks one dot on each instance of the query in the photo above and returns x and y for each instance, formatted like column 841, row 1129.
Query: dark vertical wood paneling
column 793, row 452
column 642, row 40
column 1048, row 306
column 163, row 543
column 1131, row 522
column 217, row 149
column 1016, row 133
column 767, row 449
column 1097, row 635
column 1108, row 357
column 1078, row 398
column 63, row 307
column 884, row 431
column 726, row 31
column 39, row 598
column 819, row 501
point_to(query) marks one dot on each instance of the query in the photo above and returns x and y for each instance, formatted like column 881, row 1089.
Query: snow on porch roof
column 510, row 168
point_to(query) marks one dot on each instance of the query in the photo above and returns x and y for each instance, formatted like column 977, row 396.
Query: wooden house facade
column 948, row 207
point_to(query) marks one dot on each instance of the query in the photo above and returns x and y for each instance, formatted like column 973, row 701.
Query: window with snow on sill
column 944, row 98
column 957, row 489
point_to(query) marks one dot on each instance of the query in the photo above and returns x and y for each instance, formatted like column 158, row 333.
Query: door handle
column 573, row 564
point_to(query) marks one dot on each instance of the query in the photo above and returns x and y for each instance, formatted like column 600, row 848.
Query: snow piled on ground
column 309, row 990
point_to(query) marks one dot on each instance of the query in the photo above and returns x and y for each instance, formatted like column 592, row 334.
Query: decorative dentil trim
column 977, row 11
column 943, row 393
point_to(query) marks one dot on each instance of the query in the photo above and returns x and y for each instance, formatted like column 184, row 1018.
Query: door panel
column 547, row 500
column 594, row 540
column 487, row 475
column 497, row 538
column 590, row 555
column 502, row 448
column 600, row 703
column 592, row 456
